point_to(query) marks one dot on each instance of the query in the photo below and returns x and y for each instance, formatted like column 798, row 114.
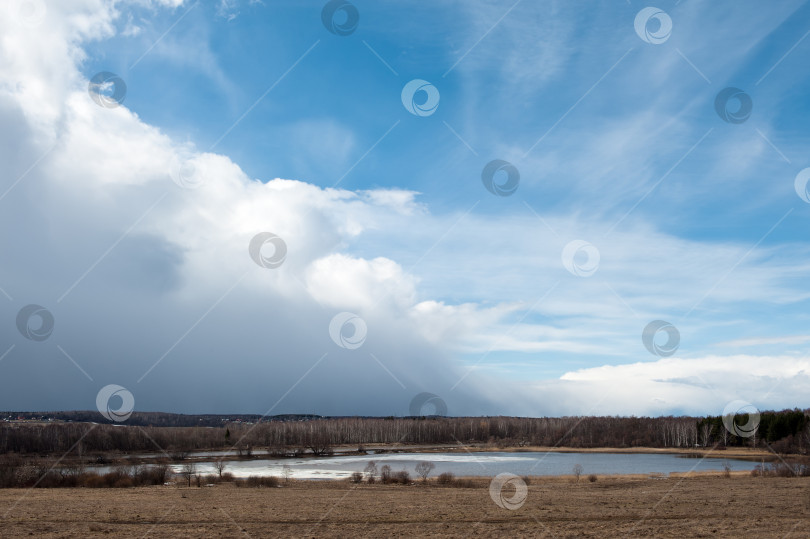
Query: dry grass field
column 701, row 506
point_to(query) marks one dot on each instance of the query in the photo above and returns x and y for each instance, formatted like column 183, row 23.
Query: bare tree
column 320, row 443
column 385, row 473
column 371, row 471
column 286, row 472
column 188, row 471
column 244, row 451
column 424, row 468
column 219, row 466
column 706, row 431
column 578, row 471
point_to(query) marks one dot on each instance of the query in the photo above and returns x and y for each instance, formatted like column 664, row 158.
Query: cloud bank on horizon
column 334, row 207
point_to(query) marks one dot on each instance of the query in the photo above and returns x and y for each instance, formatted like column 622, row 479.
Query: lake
column 479, row 464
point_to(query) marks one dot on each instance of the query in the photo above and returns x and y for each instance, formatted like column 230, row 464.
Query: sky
column 521, row 208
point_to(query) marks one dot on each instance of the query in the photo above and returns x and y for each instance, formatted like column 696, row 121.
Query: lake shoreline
column 742, row 453
column 738, row 453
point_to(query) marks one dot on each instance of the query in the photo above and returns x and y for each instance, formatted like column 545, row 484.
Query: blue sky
column 503, row 95
column 616, row 140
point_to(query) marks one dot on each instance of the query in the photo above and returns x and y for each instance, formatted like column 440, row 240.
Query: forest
column 786, row 431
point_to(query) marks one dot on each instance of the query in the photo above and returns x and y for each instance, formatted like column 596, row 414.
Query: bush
column 592, row 478
column 257, row 481
column 8, row 471
column 123, row 481
column 449, row 480
column 445, row 478
column 385, row 474
column 94, row 481
column 402, row 477
column 48, row 479
column 356, row 477
column 41, row 475
column 464, row 483
column 782, row 469
column 151, row 475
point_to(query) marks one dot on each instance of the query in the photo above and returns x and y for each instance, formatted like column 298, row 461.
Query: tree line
column 156, row 419
column 786, row 431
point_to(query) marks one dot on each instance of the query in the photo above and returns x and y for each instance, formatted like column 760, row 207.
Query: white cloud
column 428, row 285
column 692, row 386
column 765, row 341
column 341, row 281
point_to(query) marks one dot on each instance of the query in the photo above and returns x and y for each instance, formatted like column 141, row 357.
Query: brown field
column 706, row 505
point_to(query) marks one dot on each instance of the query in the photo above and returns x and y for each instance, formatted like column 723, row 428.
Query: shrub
column 402, row 477
column 592, row 478
column 123, row 481
column 445, row 478
column 8, row 471
column 151, row 475
column 577, row 471
column 464, row 483
column 356, row 477
column 178, row 455
column 385, row 474
column 94, row 481
column 257, row 481
column 782, row 469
